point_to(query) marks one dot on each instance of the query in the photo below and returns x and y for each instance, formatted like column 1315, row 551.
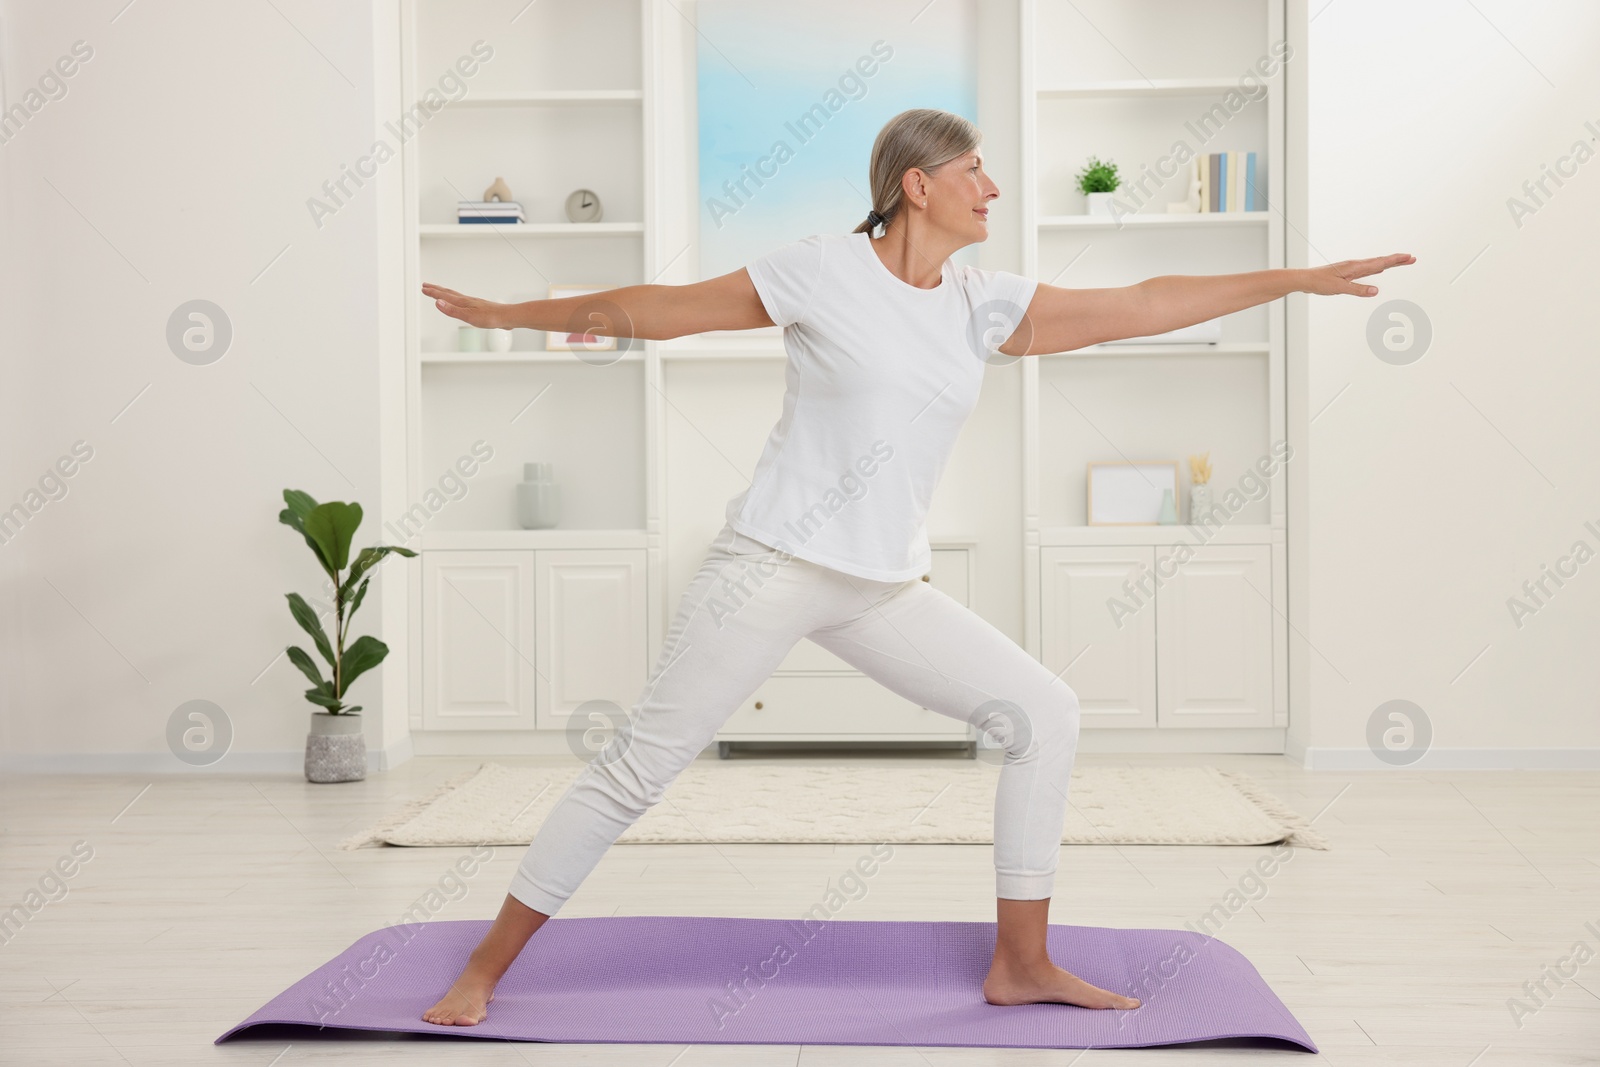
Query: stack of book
column 1228, row 182
column 481, row 211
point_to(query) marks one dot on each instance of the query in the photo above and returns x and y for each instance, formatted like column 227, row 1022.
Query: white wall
column 190, row 141
column 1437, row 488
column 177, row 166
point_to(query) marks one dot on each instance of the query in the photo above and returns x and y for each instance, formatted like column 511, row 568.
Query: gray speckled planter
column 336, row 749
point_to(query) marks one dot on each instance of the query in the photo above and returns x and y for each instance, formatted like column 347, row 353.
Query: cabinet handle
column 758, row 705
column 925, row 578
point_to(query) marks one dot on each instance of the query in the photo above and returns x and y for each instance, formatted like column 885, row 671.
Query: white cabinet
column 815, row 695
column 1108, row 656
column 478, row 629
column 590, row 630
column 516, row 639
column 1148, row 642
column 1214, row 639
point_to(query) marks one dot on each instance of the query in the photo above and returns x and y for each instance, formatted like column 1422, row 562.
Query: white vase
column 538, row 497
column 499, row 340
column 1199, row 503
column 1099, row 203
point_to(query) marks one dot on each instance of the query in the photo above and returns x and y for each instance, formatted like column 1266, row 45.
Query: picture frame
column 562, row 341
column 1129, row 493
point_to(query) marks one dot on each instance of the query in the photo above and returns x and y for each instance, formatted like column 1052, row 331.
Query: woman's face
column 958, row 196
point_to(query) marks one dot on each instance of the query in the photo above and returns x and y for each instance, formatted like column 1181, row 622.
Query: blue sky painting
column 791, row 96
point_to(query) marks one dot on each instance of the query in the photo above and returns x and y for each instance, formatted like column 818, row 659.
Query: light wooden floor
column 206, row 896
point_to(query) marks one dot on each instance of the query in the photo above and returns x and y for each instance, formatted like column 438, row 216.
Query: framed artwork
column 1129, row 494
column 561, row 341
column 789, row 99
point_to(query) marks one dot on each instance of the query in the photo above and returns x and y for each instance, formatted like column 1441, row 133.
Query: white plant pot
column 1099, row 203
column 336, row 749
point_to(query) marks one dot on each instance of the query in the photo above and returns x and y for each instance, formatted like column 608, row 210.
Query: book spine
column 1213, row 165
column 1252, row 202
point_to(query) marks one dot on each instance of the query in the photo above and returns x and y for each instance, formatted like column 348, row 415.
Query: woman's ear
column 914, row 185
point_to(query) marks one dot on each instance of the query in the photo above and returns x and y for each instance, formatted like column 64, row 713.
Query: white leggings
column 745, row 609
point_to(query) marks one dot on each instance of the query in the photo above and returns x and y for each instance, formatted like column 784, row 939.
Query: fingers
column 440, row 292
column 1377, row 264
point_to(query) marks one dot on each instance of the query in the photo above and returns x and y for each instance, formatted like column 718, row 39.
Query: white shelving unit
column 1206, row 650
column 514, row 630
column 518, row 628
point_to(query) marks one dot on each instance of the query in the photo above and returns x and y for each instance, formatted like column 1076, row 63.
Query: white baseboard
column 475, row 743
column 1454, row 759
column 165, row 763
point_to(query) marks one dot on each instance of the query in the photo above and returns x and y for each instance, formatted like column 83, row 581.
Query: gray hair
column 924, row 138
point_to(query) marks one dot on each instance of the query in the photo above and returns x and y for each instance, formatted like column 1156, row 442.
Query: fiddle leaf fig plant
column 328, row 530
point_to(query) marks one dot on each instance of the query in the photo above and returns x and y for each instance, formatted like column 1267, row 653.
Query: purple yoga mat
column 657, row 979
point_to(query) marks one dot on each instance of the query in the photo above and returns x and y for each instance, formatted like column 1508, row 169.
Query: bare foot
column 467, row 1004
column 1047, row 983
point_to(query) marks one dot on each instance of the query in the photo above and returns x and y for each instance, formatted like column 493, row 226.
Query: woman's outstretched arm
column 652, row 312
column 1061, row 320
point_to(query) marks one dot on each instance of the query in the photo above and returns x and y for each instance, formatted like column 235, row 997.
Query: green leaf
column 356, row 603
column 300, row 505
column 363, row 654
column 331, row 526
column 307, row 618
column 351, row 711
column 307, row 667
column 368, row 559
column 317, row 696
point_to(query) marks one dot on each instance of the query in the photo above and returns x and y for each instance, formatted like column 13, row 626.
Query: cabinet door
column 949, row 573
column 1214, row 633
column 477, row 640
column 591, row 630
column 1097, row 635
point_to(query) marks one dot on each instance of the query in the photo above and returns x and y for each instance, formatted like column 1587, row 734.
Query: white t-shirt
column 880, row 377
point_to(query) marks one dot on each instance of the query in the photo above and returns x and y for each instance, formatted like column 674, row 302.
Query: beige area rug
column 917, row 804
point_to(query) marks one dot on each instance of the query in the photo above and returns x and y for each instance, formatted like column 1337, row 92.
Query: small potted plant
column 1098, row 181
column 336, row 750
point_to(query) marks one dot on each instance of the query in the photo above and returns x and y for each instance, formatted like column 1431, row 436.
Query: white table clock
column 583, row 206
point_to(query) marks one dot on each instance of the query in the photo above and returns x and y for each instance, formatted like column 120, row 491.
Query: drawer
column 835, row 705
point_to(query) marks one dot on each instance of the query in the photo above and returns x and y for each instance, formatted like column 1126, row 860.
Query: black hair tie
column 875, row 219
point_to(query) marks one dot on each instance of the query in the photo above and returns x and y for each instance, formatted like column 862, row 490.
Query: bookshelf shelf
column 1239, row 348
column 1143, row 87
column 552, row 97
column 528, row 356
column 467, row 540
column 748, row 345
column 1182, row 533
column 1175, row 221
column 481, row 230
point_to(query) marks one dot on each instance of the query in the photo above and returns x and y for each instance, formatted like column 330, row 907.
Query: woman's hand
column 468, row 309
column 1338, row 278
